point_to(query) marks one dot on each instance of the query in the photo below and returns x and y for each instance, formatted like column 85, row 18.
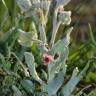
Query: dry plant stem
column 56, row 25
column 21, row 64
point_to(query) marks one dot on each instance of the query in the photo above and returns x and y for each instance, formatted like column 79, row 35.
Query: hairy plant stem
column 56, row 25
column 42, row 33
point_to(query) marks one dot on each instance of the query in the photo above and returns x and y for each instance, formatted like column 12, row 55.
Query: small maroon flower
column 47, row 59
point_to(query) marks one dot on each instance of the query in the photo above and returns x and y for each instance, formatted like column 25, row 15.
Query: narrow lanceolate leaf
column 28, row 85
column 70, row 86
column 42, row 34
column 33, row 27
column 92, row 38
column 41, row 25
column 4, row 3
column 29, row 58
column 24, row 5
column 17, row 92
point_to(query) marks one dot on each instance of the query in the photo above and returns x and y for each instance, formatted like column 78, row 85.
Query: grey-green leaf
column 17, row 92
column 29, row 58
column 28, row 85
column 24, row 4
column 70, row 86
column 60, row 48
column 62, row 2
column 62, row 44
column 56, row 82
column 25, row 38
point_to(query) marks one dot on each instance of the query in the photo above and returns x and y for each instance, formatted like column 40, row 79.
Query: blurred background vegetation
column 82, row 47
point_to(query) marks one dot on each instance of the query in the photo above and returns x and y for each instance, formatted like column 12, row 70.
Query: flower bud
column 65, row 17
